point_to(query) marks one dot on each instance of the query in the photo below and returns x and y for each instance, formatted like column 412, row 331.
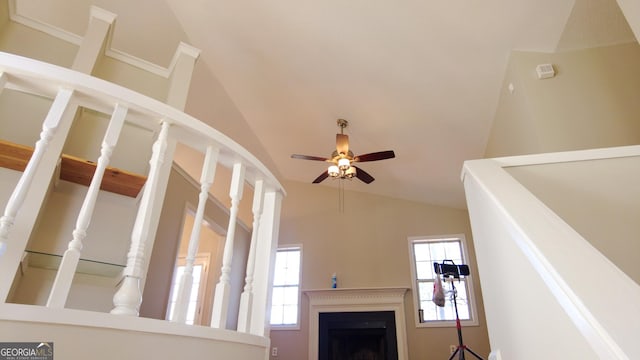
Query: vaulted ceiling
column 419, row 77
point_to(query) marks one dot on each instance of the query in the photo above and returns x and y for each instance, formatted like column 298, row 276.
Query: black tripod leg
column 474, row 354
column 454, row 353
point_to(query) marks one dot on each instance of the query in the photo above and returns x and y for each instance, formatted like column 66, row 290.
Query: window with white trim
column 285, row 297
column 196, row 297
column 425, row 251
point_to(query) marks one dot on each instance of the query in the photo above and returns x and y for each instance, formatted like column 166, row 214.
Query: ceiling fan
column 342, row 159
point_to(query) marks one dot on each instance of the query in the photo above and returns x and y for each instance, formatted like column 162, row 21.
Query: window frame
column 473, row 313
column 296, row 326
column 201, row 259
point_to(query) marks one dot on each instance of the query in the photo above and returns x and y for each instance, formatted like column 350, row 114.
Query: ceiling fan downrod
column 342, row 123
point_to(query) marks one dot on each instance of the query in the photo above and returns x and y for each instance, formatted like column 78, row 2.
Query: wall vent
column 545, row 71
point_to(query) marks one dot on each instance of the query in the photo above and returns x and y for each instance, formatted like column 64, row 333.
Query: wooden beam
column 80, row 171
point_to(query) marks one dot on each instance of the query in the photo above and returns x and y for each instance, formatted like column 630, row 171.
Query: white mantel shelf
column 357, row 299
column 356, row 296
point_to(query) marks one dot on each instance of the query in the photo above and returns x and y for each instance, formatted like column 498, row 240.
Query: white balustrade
column 186, row 281
column 246, row 299
column 67, row 269
column 70, row 89
column 49, row 126
column 223, row 288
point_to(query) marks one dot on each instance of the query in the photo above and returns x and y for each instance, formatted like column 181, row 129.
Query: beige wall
column 367, row 246
column 21, row 116
column 104, row 242
column 131, row 77
column 598, row 198
column 591, row 103
column 21, row 40
column 209, row 102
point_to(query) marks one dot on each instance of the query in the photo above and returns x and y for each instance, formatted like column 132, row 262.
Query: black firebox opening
column 368, row 335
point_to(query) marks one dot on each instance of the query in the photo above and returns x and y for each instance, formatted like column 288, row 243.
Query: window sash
column 425, row 251
column 285, row 297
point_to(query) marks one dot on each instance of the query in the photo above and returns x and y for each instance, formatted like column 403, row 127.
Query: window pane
column 292, row 275
column 425, row 290
column 290, row 314
column 423, row 270
column 279, row 275
column 437, row 251
column 276, row 315
column 278, row 296
column 293, row 258
column 291, row 295
column 421, row 251
column 429, row 311
column 452, row 251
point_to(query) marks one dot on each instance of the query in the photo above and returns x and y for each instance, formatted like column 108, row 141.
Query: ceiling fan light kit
column 342, row 159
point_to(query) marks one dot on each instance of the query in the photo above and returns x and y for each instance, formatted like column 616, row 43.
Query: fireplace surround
column 359, row 302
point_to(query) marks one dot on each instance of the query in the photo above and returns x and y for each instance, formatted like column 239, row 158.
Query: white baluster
column 223, row 288
column 264, row 262
column 49, row 127
column 246, row 299
column 186, row 281
column 128, row 298
column 64, row 277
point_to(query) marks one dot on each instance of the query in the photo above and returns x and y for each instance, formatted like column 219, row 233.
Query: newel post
column 128, row 298
column 223, row 288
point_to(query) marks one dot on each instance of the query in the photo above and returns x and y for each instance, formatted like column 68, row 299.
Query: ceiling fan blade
column 308, row 157
column 320, row 178
column 380, row 155
column 342, row 144
column 363, row 175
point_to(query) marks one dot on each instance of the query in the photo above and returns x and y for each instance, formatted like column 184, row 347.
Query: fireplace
column 367, row 335
column 362, row 324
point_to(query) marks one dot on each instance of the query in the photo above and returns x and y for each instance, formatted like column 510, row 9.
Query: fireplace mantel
column 353, row 300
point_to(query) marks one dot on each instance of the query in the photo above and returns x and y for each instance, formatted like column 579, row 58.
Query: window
column 425, row 251
column 194, row 309
column 286, row 288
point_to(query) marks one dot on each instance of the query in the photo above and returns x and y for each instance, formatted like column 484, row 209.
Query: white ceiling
column 421, row 77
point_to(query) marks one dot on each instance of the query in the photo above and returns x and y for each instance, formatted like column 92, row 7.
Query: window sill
column 447, row 323
column 286, row 327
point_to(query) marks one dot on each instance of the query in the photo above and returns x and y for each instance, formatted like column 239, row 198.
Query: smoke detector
column 545, row 71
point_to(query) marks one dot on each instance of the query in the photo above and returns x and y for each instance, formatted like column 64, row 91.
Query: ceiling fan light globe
column 350, row 172
column 344, row 164
column 333, row 171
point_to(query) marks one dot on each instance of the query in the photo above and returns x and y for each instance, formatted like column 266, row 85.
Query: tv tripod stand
column 461, row 348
